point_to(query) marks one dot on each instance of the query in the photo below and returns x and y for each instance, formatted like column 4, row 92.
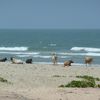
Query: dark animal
column 88, row 60
column 68, row 63
column 29, row 61
column 16, row 61
column 3, row 59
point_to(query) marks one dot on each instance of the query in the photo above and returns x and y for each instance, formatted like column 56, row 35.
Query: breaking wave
column 82, row 54
column 13, row 48
column 87, row 49
column 23, row 53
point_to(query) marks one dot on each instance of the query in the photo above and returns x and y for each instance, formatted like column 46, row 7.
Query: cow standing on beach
column 54, row 58
column 88, row 60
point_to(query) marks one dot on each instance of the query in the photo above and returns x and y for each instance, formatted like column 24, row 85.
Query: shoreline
column 59, row 63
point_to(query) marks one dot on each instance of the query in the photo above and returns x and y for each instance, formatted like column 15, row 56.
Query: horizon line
column 51, row 28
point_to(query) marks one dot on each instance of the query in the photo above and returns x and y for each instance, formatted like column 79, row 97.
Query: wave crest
column 85, row 49
column 13, row 48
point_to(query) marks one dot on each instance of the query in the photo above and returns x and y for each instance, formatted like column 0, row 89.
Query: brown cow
column 88, row 60
column 68, row 63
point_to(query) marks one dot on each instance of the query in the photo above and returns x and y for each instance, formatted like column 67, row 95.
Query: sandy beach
column 41, row 81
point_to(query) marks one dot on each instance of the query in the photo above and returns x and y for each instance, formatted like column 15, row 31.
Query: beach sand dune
column 41, row 81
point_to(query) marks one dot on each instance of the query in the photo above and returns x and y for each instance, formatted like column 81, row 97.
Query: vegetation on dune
column 98, row 85
column 88, row 81
column 58, row 76
column 3, row 80
column 89, row 78
column 80, row 84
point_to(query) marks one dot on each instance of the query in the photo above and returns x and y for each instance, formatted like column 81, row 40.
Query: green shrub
column 3, row 80
column 61, row 86
column 97, row 79
column 89, row 78
column 88, row 81
column 58, row 76
column 98, row 85
column 81, row 84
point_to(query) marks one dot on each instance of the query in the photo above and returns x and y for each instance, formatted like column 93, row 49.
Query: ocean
column 39, row 44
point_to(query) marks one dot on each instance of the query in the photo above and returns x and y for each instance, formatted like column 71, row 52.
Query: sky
column 64, row 14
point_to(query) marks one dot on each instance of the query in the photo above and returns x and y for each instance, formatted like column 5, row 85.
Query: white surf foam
column 46, row 62
column 93, row 54
column 52, row 44
column 63, row 56
column 22, row 56
column 13, row 48
column 83, row 54
column 19, row 53
column 40, row 56
column 61, row 63
column 35, row 56
column 85, row 49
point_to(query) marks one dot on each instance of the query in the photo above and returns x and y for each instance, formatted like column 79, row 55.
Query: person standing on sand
column 54, row 58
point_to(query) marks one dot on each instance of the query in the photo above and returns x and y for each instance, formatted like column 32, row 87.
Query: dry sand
column 38, row 82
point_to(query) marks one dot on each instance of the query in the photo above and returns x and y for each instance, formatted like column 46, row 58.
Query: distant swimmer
column 54, row 58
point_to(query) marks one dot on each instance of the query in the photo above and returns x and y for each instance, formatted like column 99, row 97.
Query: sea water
column 39, row 44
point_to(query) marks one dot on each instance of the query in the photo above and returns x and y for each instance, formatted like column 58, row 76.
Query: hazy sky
column 50, row 14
